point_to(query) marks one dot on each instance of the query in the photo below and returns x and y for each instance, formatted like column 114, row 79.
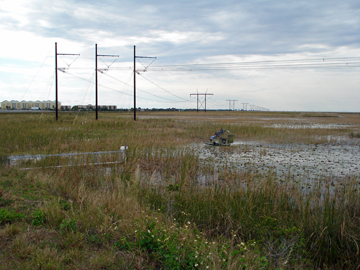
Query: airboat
column 225, row 138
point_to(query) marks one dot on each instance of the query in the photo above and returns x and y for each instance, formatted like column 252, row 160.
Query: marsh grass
column 150, row 211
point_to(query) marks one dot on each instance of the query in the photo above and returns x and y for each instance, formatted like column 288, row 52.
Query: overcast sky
column 279, row 55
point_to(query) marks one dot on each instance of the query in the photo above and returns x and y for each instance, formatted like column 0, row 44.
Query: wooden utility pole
column 96, row 78
column 135, row 77
column 56, row 78
column 134, row 83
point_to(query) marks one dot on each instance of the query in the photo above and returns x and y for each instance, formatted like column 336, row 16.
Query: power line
column 338, row 62
column 185, row 100
column 168, row 100
column 210, row 100
column 37, row 72
column 297, row 66
column 331, row 62
column 171, row 100
column 269, row 61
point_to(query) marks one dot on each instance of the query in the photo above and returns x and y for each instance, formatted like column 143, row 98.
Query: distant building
column 14, row 104
column 50, row 105
column 5, row 105
column 27, row 105
column 91, row 107
column 108, row 107
column 65, row 108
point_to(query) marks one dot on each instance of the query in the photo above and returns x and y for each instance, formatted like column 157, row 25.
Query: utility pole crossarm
column 78, row 54
column 107, row 55
column 145, row 57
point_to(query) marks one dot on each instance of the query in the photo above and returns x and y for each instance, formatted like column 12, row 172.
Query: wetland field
column 284, row 195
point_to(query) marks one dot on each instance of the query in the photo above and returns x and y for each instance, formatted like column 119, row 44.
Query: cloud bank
column 220, row 36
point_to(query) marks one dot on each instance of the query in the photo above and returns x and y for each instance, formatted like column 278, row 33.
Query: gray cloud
column 180, row 32
column 260, row 27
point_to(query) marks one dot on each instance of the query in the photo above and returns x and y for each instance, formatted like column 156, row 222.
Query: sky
column 260, row 54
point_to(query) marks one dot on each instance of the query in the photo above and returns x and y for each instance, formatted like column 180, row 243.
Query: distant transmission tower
column 199, row 103
column 245, row 106
column 233, row 104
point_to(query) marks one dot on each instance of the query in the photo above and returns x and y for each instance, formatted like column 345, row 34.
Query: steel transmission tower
column 233, row 104
column 199, row 102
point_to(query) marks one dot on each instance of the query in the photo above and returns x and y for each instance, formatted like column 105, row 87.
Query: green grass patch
column 8, row 217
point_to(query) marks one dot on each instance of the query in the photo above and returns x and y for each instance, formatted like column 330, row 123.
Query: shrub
column 10, row 217
column 38, row 218
column 68, row 225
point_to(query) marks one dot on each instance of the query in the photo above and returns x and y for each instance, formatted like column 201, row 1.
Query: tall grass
column 320, row 226
column 152, row 209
